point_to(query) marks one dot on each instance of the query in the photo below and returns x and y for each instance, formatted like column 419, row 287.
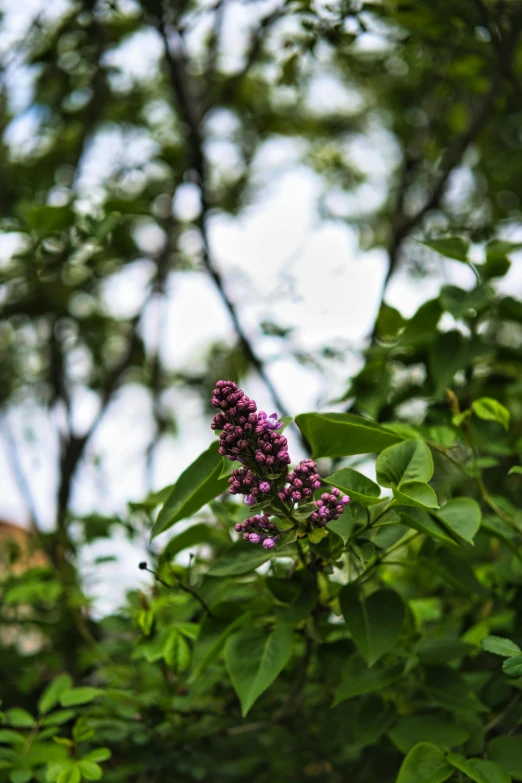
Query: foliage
column 386, row 645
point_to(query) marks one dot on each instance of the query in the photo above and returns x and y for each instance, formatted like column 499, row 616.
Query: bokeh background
column 234, row 188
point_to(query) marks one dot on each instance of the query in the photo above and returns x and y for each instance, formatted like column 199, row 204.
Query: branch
column 191, row 113
column 186, row 589
column 21, row 478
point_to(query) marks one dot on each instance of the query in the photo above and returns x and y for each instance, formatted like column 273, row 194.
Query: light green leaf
column 90, row 770
column 419, row 519
column 408, row 461
column 254, row 659
column 415, row 493
column 74, row 696
column 349, row 519
column 513, row 666
column 98, row 754
column 507, row 751
column 227, row 466
column 343, row 434
column 425, row 763
column 177, row 652
column 20, row 776
column 491, row 410
column 479, row 770
column 499, row 646
column 449, row 247
column 358, row 678
column 10, row 737
column 435, row 727
column 20, row 718
column 375, row 623
column 358, row 487
column 197, row 486
column 51, row 695
column 58, row 718
column 515, row 469
column 70, row 775
column 462, row 517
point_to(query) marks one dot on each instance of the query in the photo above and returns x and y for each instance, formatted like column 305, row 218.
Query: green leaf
column 448, row 689
column 98, row 754
column 177, row 652
column 479, row 770
column 405, row 462
column 90, row 770
column 343, row 434
column 443, row 650
column 436, row 727
column 58, row 718
column 70, row 775
column 51, row 695
column 513, row 666
column 462, row 517
column 357, row 486
column 415, row 493
column 425, row 763
column 491, row 410
column 197, row 486
column 214, row 634
column 357, row 678
column 20, row 775
column 227, row 466
column 10, row 737
column 374, row 623
column 449, row 247
column 242, row 557
column 74, row 696
column 349, row 519
column 419, row 519
column 515, row 469
column 20, row 718
column 499, row 646
column 254, row 659
column 507, row 751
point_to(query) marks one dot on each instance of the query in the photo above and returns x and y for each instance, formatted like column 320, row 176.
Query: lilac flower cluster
column 303, row 480
column 258, row 529
column 251, row 437
column 330, row 506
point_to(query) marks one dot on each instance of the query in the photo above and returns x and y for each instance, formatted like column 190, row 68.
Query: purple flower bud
column 255, row 538
column 264, row 487
column 238, row 527
column 246, row 536
column 268, row 543
column 323, row 511
column 250, row 500
column 345, row 500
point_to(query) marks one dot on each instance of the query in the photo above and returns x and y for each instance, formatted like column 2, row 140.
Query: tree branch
column 191, row 114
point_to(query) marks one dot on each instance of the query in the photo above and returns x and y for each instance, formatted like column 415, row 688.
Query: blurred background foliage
column 421, row 159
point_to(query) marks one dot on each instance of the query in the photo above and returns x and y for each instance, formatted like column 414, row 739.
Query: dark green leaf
column 197, row 486
column 449, row 247
column 358, row 487
column 435, row 727
column 242, row 557
column 342, row 434
column 51, row 695
column 254, row 659
column 357, row 678
column 420, row 520
column 461, row 516
column 507, row 751
column 375, row 623
column 74, row 696
column 404, row 462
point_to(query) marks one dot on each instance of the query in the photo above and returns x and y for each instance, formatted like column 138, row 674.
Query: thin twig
column 186, row 589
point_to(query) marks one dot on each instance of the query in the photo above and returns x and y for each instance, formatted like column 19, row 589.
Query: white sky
column 281, row 262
